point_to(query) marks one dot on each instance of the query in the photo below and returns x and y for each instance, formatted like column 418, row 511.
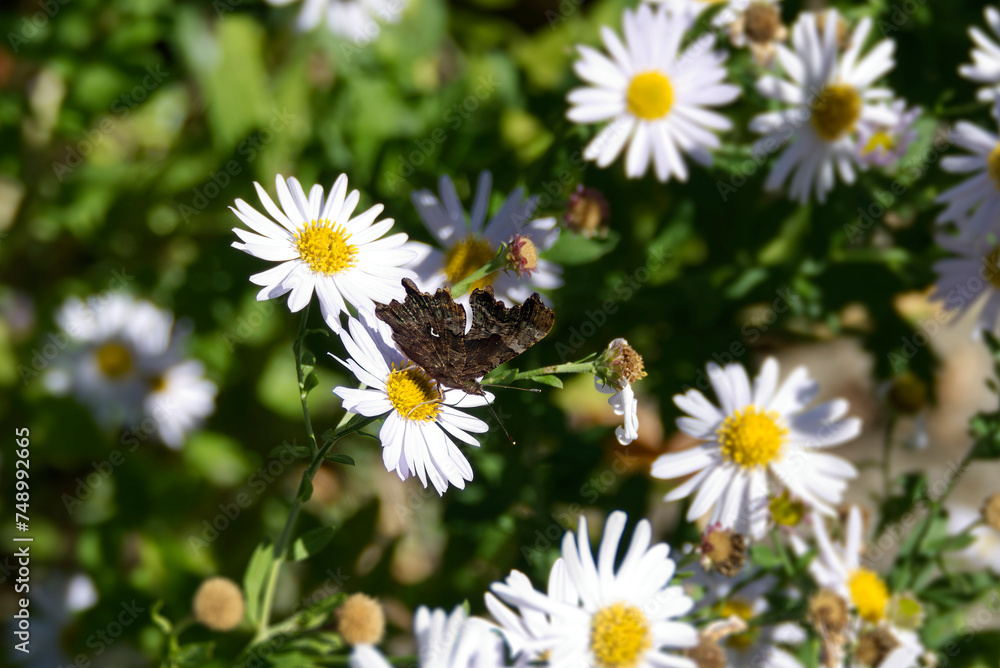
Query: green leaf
column 311, row 542
column 317, row 330
column 574, row 249
column 194, row 654
column 165, row 624
column 553, row 381
column 297, row 451
column 338, row 458
column 312, row 380
column 764, row 556
column 305, row 490
column 254, row 578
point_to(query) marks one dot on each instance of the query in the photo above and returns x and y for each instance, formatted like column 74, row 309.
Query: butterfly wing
column 500, row 334
column 429, row 329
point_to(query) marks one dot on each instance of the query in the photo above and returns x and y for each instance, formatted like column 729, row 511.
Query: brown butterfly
column 430, row 330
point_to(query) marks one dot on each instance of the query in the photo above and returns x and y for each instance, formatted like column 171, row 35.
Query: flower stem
column 572, row 367
column 305, row 486
column 890, row 427
column 495, row 264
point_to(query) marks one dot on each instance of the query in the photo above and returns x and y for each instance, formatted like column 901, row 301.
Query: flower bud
column 522, row 256
column 723, row 550
column 361, row 620
column 991, row 511
column 218, row 604
column 785, row 510
column 907, row 394
column 620, row 365
column 828, row 612
column 587, row 212
column 874, row 646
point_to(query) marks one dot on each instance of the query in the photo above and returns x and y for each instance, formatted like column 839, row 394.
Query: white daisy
column 600, row 615
column 115, row 346
column 885, row 145
column 974, row 204
column 322, row 248
column 984, row 553
column 444, row 641
column 745, row 598
column 179, row 400
column 357, row 20
column 471, row 242
column 827, row 95
column 970, row 276
column 762, row 437
column 839, row 568
column 985, row 66
column 421, row 417
column 654, row 94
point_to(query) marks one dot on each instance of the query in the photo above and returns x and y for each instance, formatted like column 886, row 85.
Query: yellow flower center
column 743, row 610
column 466, row 257
column 114, row 360
column 868, row 594
column 993, row 165
column 752, row 437
column 835, row 111
column 992, row 268
column 325, row 247
column 413, row 394
column 881, row 142
column 650, row 96
column 619, row 636
column 785, row 510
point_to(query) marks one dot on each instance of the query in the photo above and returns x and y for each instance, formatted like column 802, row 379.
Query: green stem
column 890, row 427
column 779, row 547
column 572, row 367
column 305, row 486
column 496, row 264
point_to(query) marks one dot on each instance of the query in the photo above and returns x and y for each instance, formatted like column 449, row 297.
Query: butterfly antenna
column 497, row 417
column 511, row 387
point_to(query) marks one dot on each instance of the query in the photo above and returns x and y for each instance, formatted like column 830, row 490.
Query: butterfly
column 430, row 331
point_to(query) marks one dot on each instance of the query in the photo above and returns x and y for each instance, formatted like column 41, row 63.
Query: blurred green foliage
column 129, row 126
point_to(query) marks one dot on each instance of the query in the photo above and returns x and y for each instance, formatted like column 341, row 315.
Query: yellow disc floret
column 326, row 247
column 743, row 610
column 835, row 111
column 752, row 437
column 991, row 267
column 993, row 165
column 650, row 95
column 114, row 360
column 413, row 394
column 467, row 256
column 881, row 142
column 868, row 594
column 619, row 636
